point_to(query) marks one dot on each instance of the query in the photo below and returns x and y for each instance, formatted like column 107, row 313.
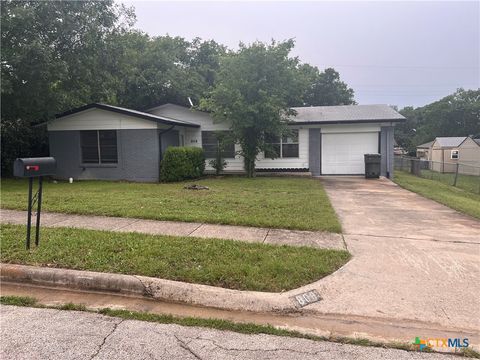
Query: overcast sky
column 397, row 53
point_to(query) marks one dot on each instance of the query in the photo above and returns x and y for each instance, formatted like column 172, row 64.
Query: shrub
column 181, row 163
column 219, row 163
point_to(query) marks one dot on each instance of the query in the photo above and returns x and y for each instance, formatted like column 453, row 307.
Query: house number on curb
column 307, row 298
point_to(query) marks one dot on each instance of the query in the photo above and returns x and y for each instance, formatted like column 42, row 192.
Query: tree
column 219, row 162
column 52, row 59
column 253, row 90
column 457, row 114
column 405, row 132
column 163, row 69
column 324, row 88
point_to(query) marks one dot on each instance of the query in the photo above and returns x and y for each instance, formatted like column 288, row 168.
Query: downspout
column 387, row 143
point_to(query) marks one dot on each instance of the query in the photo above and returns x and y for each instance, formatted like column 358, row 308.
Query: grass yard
column 468, row 183
column 458, row 199
column 224, row 263
column 291, row 203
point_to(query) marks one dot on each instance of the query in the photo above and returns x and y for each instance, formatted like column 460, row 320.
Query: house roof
column 477, row 141
column 306, row 115
column 427, row 145
column 345, row 114
column 125, row 111
column 450, row 141
column 179, row 112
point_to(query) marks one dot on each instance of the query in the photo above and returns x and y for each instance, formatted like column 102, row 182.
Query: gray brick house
column 99, row 141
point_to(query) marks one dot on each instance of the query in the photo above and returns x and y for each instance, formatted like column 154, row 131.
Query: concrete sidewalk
column 316, row 239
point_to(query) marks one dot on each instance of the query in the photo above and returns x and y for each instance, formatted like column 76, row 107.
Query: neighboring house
column 99, row 141
column 447, row 152
column 397, row 149
column 424, row 151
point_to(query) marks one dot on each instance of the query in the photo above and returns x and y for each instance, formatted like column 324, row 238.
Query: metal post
column 29, row 212
column 39, row 209
column 456, row 175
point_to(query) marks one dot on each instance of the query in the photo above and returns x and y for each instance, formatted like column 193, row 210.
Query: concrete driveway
column 413, row 259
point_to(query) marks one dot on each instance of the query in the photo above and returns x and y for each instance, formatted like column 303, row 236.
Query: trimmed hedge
column 182, row 163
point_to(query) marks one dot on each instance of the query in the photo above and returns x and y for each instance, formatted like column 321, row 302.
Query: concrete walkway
column 242, row 233
column 29, row 333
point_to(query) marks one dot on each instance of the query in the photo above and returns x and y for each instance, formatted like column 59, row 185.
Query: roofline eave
column 339, row 122
column 150, row 117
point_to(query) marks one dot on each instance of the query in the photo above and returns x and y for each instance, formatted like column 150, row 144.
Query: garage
column 342, row 153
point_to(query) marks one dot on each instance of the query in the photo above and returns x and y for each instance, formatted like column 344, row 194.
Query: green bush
column 182, row 163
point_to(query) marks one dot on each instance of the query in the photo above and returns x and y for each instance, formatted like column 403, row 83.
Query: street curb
column 82, row 280
column 153, row 288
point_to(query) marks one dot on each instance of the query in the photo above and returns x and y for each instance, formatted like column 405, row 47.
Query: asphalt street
column 31, row 333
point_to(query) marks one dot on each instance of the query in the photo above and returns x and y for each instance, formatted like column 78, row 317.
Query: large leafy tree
column 53, row 55
column 52, row 58
column 254, row 88
column 165, row 69
column 457, row 114
column 324, row 88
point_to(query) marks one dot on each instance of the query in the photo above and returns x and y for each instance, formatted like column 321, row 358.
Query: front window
column 283, row 147
column 210, row 142
column 454, row 154
column 99, row 146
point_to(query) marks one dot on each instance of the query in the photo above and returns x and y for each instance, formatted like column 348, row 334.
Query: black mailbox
column 34, row 167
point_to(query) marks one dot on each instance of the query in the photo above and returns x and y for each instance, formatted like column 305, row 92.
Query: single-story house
column 424, row 151
column 446, row 152
column 99, row 141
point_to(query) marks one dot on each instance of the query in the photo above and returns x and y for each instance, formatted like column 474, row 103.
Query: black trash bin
column 372, row 166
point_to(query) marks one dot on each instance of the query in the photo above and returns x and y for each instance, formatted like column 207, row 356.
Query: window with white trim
column 283, row 147
column 454, row 154
column 99, row 146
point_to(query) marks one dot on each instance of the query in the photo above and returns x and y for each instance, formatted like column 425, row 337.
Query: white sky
column 398, row 53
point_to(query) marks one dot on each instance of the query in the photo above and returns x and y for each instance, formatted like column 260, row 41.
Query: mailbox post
column 34, row 168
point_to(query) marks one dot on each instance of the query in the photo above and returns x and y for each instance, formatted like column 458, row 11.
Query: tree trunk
column 249, row 163
column 250, row 152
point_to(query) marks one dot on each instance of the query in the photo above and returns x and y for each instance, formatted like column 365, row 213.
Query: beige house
column 447, row 152
column 424, row 151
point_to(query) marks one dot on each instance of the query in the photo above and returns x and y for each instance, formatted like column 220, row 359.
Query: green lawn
column 468, row 183
column 225, row 263
column 292, row 203
column 453, row 197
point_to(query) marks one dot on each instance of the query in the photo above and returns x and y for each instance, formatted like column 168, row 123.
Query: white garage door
column 342, row 154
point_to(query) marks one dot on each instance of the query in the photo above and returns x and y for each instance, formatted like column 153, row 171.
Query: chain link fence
column 461, row 175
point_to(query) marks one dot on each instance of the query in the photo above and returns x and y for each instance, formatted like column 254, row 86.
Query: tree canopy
column 457, row 114
column 254, row 89
column 57, row 55
column 324, row 88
